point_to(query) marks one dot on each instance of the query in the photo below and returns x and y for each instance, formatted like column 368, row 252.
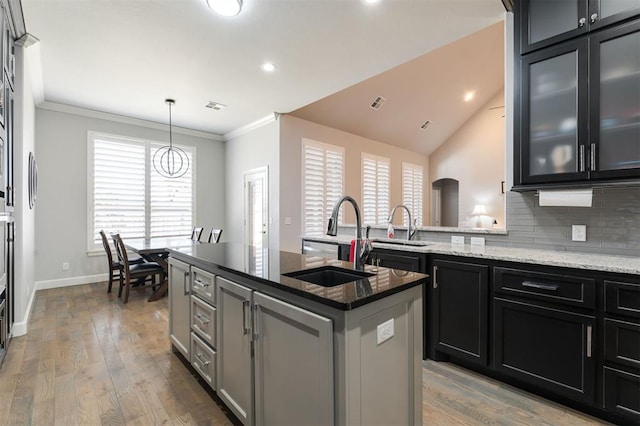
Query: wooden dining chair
column 196, row 233
column 132, row 260
column 214, row 235
column 133, row 271
column 113, row 265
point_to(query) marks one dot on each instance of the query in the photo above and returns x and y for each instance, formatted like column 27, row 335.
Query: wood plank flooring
column 90, row 360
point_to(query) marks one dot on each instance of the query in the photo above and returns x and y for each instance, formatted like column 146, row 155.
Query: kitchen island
column 284, row 338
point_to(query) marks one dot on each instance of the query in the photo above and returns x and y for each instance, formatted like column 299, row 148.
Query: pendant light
column 170, row 161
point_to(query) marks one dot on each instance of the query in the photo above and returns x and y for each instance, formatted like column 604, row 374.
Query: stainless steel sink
column 401, row 242
column 329, row 276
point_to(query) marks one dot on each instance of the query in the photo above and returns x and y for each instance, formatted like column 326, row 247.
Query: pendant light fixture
column 170, row 161
column 225, row 7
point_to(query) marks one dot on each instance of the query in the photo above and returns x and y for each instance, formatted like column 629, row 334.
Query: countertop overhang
column 268, row 266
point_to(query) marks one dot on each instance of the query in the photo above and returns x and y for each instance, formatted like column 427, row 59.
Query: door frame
column 246, row 175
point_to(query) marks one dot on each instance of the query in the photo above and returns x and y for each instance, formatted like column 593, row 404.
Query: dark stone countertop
column 268, row 266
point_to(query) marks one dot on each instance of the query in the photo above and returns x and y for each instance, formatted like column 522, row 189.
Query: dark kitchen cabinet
column 404, row 260
column 547, row 22
column 552, row 349
column 459, row 320
column 622, row 393
column 577, row 103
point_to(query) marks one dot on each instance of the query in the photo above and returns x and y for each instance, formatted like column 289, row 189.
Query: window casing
column 126, row 195
column 412, row 191
column 375, row 189
column 322, row 184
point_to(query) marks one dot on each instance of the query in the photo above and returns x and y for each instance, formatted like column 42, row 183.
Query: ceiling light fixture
column 225, row 7
column 370, row 1
column 216, row 106
column 268, row 67
column 170, row 161
column 468, row 96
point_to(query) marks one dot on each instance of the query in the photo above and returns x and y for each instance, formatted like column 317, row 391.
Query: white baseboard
column 67, row 282
column 20, row 328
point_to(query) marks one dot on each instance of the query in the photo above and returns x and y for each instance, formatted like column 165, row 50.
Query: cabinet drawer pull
column 202, row 359
column 589, row 331
column 245, row 305
column 200, row 318
column 582, row 22
column 435, row 277
column 552, row 287
column 201, row 283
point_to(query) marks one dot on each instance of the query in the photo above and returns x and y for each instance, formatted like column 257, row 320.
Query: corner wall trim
column 67, row 282
column 251, row 126
column 20, row 328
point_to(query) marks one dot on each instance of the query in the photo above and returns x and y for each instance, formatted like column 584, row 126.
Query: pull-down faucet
column 410, row 233
column 361, row 252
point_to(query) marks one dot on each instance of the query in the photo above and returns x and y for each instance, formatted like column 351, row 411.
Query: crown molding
column 70, row 109
column 251, row 126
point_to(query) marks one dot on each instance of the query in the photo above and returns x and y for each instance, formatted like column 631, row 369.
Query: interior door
column 256, row 216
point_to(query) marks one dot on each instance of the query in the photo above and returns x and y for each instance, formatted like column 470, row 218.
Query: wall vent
column 426, row 125
column 216, row 106
column 377, row 103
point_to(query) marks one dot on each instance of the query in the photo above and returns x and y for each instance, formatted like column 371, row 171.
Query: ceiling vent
column 378, row 102
column 216, row 106
column 426, row 125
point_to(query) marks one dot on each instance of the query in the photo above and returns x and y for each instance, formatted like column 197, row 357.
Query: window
column 375, row 189
column 322, row 186
column 412, row 191
column 126, row 194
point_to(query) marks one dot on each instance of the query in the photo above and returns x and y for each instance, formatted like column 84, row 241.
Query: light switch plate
column 477, row 241
column 457, row 239
column 287, row 220
column 385, row 331
column 578, row 232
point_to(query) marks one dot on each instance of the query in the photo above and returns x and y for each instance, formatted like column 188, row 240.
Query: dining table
column 156, row 249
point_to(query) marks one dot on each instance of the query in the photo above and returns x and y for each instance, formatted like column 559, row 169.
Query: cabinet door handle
column 552, row 287
column 186, row 279
column 582, row 158
column 589, row 332
column 256, row 325
column 592, row 154
column 594, row 18
column 245, row 304
column 582, row 22
column 435, row 277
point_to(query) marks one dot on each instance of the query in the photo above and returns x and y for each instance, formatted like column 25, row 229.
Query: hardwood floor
column 88, row 359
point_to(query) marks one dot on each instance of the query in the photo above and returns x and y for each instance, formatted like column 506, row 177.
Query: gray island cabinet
column 288, row 351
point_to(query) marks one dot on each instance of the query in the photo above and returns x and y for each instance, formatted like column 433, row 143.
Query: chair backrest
column 196, row 233
column 107, row 249
column 122, row 251
column 117, row 246
column 214, row 235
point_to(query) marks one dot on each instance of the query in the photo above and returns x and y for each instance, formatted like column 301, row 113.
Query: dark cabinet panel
column 549, row 348
column 403, row 260
column 622, row 393
column 546, row 22
column 460, row 317
column 622, row 298
column 622, row 342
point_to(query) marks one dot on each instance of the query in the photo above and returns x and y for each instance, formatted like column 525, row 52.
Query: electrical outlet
column 385, row 331
column 457, row 239
column 578, row 232
column 65, row 266
column 477, row 241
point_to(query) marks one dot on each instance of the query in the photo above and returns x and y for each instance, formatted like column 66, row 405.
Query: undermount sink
column 401, row 242
column 328, row 276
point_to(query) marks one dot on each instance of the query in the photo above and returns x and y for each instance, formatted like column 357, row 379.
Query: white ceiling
column 126, row 56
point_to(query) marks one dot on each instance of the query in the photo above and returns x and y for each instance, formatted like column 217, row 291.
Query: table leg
column 163, row 287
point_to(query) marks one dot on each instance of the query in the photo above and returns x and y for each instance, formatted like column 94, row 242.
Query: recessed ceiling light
column 468, row 96
column 370, row 1
column 268, row 67
column 225, row 7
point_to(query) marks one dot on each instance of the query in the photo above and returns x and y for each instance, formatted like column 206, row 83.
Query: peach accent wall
column 292, row 131
column 474, row 155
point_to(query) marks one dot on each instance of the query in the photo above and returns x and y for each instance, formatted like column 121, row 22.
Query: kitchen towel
column 352, row 250
column 566, row 198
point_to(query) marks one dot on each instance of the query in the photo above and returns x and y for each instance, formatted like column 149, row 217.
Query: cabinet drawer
column 622, row 393
column 622, row 342
column 202, row 284
column 622, row 299
column 203, row 360
column 562, row 289
column 203, row 320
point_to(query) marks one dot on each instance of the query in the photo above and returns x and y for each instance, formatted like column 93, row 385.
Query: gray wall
column 61, row 215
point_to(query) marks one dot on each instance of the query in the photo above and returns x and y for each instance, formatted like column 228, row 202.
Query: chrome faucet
column 361, row 252
column 410, row 234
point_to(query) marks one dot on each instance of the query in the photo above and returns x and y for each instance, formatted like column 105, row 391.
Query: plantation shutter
column 375, row 189
column 412, row 190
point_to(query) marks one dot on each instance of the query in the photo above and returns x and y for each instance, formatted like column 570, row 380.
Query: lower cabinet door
column 622, row 393
column 622, row 342
column 179, row 306
column 549, row 348
column 293, row 364
column 233, row 365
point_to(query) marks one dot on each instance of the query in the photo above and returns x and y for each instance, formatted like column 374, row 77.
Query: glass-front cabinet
column 579, row 109
column 548, row 22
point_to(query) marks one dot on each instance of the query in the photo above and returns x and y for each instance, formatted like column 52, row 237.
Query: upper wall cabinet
column 577, row 102
column 547, row 22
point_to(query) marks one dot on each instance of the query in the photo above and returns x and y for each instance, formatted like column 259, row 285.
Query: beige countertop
column 589, row 261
